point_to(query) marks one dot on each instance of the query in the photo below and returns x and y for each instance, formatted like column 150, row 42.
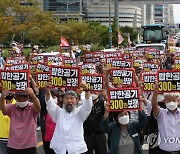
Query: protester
column 94, row 137
column 68, row 134
column 124, row 136
column 4, row 126
column 168, row 121
column 23, row 115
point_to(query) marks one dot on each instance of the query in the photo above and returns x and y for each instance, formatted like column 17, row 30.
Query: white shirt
column 69, row 133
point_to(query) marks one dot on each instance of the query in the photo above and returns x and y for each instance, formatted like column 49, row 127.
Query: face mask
column 22, row 104
column 171, row 105
column 124, row 120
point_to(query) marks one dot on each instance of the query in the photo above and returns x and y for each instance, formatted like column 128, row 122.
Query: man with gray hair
column 68, row 135
column 168, row 122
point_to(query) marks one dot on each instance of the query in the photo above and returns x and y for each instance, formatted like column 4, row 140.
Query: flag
column 129, row 40
column 64, row 42
column 120, row 38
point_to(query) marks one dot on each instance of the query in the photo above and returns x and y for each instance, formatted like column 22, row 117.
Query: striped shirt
column 23, row 124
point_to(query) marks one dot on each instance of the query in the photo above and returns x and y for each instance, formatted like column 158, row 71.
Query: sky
column 177, row 13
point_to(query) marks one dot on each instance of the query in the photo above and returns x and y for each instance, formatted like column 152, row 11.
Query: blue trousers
column 3, row 147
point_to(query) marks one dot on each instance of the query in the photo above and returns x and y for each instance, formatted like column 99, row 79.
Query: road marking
column 39, row 144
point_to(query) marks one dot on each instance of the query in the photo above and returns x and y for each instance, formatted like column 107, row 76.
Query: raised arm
column 5, row 92
column 155, row 106
column 35, row 100
column 87, row 103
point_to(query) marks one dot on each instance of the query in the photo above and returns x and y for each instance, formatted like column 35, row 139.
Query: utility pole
column 110, row 28
column 116, row 12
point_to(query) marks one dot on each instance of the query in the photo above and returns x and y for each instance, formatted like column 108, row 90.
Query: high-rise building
column 93, row 10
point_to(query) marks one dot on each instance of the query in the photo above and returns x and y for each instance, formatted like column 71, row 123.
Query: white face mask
column 172, row 105
column 22, row 104
column 124, row 120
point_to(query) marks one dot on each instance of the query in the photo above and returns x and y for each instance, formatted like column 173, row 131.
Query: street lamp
column 110, row 28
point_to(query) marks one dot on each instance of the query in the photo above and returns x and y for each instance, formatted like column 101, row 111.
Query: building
column 93, row 10
column 99, row 12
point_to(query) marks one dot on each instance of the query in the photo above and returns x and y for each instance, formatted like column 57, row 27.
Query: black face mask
column 10, row 96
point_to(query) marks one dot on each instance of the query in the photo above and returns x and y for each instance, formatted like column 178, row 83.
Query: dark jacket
column 134, row 129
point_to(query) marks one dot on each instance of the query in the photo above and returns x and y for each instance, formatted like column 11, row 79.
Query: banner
column 42, row 78
column 88, row 68
column 122, row 76
column 94, row 82
column 149, row 81
column 124, row 99
column 62, row 76
column 15, row 81
column 169, row 80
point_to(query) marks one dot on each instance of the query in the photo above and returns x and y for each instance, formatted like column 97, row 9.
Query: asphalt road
column 40, row 146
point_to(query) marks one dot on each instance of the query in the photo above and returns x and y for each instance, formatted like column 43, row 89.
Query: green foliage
column 30, row 25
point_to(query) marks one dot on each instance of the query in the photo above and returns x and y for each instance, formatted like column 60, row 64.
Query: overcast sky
column 177, row 13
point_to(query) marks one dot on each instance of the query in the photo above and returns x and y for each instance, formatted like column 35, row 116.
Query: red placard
column 63, row 76
column 149, row 81
column 11, row 61
column 42, row 78
column 176, row 63
column 122, row 76
column 150, row 66
column 88, row 68
column 41, row 67
column 54, row 60
column 121, row 63
column 21, row 66
column 70, row 62
column 177, row 55
column 94, row 82
column 169, row 81
column 37, row 58
column 124, row 99
column 15, row 81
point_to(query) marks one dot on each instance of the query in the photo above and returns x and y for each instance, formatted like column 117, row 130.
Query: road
column 40, row 146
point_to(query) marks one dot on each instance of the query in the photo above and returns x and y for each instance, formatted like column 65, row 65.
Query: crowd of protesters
column 78, row 121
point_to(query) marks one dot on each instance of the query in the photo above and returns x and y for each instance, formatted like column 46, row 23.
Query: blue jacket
column 134, row 129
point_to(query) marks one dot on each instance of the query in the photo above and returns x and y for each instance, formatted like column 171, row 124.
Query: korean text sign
column 42, row 78
column 63, row 76
column 15, row 80
column 94, row 82
column 169, row 80
column 124, row 99
column 88, row 68
column 148, row 66
column 149, row 81
column 122, row 76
